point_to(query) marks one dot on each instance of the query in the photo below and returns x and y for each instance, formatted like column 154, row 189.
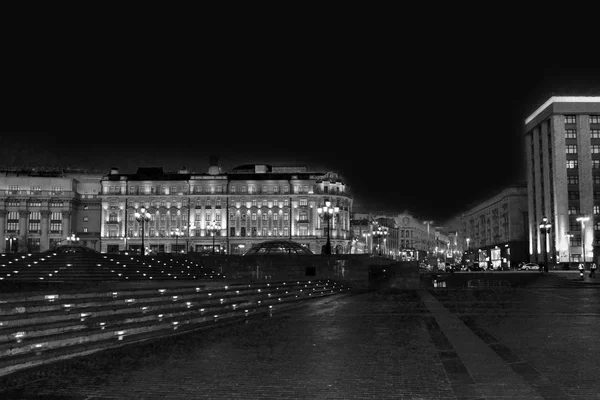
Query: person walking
column 593, row 270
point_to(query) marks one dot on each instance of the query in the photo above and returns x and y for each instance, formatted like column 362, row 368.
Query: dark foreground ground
column 494, row 343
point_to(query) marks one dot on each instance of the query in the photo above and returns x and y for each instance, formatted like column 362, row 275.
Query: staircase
column 44, row 327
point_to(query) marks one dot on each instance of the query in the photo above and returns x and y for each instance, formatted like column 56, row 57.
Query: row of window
column 33, row 215
column 572, row 134
column 33, row 203
column 574, row 164
column 36, row 188
column 217, row 203
column 250, row 189
column 575, row 210
column 572, row 149
column 571, row 119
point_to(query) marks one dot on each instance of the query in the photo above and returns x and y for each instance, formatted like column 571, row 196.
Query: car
column 529, row 266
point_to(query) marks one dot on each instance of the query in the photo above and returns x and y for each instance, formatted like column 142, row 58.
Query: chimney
column 114, row 171
column 183, row 170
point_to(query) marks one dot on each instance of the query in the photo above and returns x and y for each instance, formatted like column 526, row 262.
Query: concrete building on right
column 562, row 139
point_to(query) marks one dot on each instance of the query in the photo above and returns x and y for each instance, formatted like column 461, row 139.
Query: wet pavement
column 537, row 342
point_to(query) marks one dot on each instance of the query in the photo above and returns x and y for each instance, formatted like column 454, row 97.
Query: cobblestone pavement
column 440, row 344
column 545, row 335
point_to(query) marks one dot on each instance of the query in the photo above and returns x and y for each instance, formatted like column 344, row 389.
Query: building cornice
column 562, row 99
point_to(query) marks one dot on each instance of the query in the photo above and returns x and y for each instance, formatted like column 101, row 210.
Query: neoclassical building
column 245, row 206
column 40, row 209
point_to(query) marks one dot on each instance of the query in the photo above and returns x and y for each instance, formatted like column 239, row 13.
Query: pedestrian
column 580, row 267
column 593, row 270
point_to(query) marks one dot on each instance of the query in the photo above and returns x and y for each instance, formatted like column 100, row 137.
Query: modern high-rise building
column 562, row 139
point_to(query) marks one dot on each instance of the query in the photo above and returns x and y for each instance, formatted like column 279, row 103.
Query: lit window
column 571, row 134
column 572, row 149
column 303, row 202
column 85, row 230
column 594, row 119
column 85, row 219
column 595, row 133
column 571, row 164
column 572, row 179
column 596, row 164
column 569, row 119
column 596, row 210
column 595, row 148
column 574, row 210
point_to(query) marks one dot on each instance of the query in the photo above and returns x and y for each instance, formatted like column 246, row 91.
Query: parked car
column 529, row 266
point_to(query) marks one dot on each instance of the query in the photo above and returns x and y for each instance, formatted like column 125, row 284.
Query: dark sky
column 428, row 127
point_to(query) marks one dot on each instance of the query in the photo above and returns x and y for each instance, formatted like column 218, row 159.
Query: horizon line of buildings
column 550, row 219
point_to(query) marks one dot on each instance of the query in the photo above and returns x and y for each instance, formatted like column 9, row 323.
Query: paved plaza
column 536, row 342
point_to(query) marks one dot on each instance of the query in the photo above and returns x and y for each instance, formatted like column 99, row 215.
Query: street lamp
column 366, row 236
column 379, row 233
column 176, row 233
column 72, row 238
column 142, row 217
column 213, row 227
column 11, row 240
column 583, row 220
column 569, row 236
column 545, row 227
column 327, row 213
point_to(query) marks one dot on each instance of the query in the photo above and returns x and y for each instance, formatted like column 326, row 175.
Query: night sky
column 430, row 131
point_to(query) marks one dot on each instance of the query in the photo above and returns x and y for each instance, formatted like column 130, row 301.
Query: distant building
column 40, row 209
column 495, row 231
column 247, row 205
column 562, row 139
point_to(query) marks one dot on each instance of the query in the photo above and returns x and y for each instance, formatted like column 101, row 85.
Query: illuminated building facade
column 495, row 231
column 562, row 143
column 247, row 205
column 40, row 209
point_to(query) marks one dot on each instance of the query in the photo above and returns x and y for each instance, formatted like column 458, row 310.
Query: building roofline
column 562, row 99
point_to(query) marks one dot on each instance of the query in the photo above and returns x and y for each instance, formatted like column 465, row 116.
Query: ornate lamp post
column 11, row 240
column 583, row 220
column 176, row 233
column 380, row 232
column 213, row 227
column 142, row 217
column 569, row 236
column 366, row 236
column 327, row 212
column 72, row 238
column 545, row 228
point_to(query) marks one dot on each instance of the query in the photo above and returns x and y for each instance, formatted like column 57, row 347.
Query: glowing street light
column 583, row 220
column 381, row 231
column 569, row 236
column 544, row 228
column 72, row 238
column 177, row 233
column 327, row 212
column 142, row 217
column 213, row 227
column 366, row 236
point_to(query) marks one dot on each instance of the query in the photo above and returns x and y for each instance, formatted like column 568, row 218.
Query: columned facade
column 37, row 208
column 245, row 206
